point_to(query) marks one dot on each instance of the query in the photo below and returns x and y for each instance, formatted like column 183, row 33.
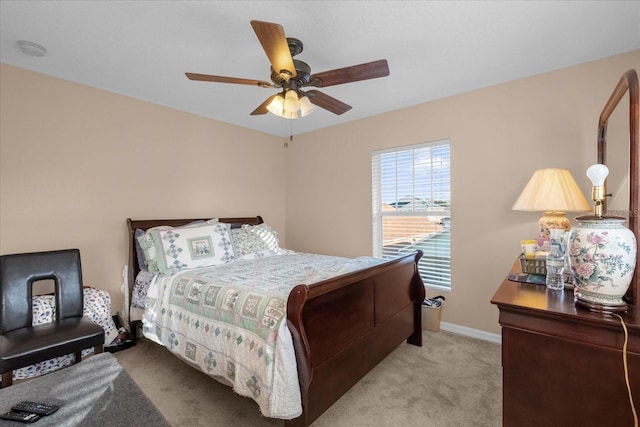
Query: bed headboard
column 145, row 224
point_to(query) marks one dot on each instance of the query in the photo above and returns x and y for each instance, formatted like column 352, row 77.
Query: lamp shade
column 551, row 190
column 554, row 192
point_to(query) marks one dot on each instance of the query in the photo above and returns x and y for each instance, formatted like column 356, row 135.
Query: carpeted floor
column 96, row 392
column 451, row 381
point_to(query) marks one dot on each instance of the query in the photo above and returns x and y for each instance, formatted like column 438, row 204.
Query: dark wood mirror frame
column 628, row 83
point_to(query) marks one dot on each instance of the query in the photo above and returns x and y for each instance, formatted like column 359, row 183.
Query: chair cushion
column 26, row 346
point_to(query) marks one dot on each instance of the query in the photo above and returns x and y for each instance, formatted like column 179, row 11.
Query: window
column 412, row 207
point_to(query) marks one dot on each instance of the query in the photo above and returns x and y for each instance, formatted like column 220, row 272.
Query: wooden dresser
column 562, row 364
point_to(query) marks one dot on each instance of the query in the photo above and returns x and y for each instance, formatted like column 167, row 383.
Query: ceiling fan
column 291, row 75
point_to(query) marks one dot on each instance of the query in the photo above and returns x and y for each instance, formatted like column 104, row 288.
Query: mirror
column 618, row 148
column 617, row 201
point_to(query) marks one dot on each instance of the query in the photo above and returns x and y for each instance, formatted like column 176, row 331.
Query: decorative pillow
column 142, row 262
column 148, row 251
column 253, row 238
column 196, row 246
column 245, row 242
column 268, row 236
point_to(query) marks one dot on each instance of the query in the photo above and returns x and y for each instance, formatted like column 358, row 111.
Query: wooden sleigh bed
column 341, row 327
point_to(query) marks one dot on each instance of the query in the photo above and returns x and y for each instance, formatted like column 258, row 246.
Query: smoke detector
column 31, row 49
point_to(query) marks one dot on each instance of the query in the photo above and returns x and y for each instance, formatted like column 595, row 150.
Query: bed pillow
column 148, row 249
column 250, row 239
column 268, row 236
column 245, row 242
column 145, row 249
column 142, row 262
column 189, row 247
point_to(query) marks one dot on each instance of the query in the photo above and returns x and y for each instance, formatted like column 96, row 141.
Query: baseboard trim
column 469, row 332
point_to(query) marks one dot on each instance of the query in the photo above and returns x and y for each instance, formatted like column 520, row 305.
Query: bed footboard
column 343, row 327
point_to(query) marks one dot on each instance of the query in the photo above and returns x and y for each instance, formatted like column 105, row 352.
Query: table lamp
column 554, row 192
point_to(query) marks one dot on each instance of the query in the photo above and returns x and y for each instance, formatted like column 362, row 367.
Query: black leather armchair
column 22, row 344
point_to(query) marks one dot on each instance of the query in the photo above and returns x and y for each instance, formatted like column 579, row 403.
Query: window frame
column 435, row 270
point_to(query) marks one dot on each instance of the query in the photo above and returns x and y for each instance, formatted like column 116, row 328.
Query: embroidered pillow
column 189, row 247
column 147, row 251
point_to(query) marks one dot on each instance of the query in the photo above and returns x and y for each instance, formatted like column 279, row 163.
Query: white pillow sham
column 145, row 241
column 195, row 246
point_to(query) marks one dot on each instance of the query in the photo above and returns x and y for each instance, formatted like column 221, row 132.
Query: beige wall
column 75, row 162
column 499, row 137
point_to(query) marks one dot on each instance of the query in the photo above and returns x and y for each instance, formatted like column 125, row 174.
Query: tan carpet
column 451, row 381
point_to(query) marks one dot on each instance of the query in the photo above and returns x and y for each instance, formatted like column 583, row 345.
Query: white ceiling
column 435, row 49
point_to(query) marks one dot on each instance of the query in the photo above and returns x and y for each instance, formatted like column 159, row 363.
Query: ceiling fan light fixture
column 286, row 107
column 276, row 106
column 306, row 107
column 291, row 102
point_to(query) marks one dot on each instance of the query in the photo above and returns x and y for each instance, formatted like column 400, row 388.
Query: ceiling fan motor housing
column 303, row 73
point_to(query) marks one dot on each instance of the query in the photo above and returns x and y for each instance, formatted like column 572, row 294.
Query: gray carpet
column 451, row 381
column 95, row 392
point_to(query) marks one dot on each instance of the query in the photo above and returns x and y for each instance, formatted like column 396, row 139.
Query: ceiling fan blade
column 262, row 109
column 222, row 79
column 370, row 70
column 327, row 102
column 275, row 45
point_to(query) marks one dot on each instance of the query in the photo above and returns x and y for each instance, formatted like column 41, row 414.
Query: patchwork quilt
column 227, row 320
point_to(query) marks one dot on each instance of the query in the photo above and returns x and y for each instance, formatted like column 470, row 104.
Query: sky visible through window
column 420, row 173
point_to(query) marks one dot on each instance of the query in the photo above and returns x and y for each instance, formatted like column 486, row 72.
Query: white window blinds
column 412, row 207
